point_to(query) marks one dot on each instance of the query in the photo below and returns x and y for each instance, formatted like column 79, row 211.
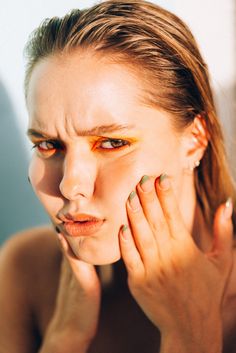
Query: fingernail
column 134, row 201
column 145, row 183
column 125, row 234
column 164, row 182
column 124, row 227
column 228, row 210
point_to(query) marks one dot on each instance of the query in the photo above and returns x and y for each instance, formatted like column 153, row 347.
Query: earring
column 189, row 170
column 29, row 179
column 196, row 164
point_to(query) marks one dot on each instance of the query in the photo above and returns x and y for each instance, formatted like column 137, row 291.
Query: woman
column 130, row 165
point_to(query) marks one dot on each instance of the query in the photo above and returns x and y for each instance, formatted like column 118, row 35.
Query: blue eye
column 113, row 144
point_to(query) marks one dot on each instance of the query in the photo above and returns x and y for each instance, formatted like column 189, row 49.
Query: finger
column 223, row 231
column 130, row 254
column 66, row 249
column 142, row 234
column 152, row 209
column 170, row 207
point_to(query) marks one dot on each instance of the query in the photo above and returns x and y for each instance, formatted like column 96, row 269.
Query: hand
column 179, row 288
column 75, row 319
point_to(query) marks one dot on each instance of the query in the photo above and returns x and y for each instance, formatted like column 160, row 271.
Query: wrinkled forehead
column 85, row 89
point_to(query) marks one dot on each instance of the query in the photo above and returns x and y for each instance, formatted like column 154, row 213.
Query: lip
column 82, row 228
column 79, row 217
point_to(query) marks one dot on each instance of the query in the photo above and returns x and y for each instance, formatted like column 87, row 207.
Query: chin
column 100, row 261
column 97, row 255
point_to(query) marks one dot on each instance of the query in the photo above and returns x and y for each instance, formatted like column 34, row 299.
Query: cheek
column 161, row 155
column 45, row 180
column 116, row 180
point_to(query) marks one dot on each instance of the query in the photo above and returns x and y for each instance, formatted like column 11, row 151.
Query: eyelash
column 111, row 140
column 56, row 145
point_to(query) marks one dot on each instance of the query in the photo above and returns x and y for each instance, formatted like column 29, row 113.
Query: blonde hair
column 158, row 44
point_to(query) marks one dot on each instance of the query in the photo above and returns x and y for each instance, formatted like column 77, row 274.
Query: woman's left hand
column 179, row 287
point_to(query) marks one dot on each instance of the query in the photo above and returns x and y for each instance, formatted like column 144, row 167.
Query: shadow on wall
column 19, row 207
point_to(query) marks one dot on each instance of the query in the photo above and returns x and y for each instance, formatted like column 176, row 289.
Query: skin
column 178, row 286
column 71, row 94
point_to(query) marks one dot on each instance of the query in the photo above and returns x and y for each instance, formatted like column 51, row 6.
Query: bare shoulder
column 28, row 259
column 31, row 258
column 26, row 249
column 27, row 243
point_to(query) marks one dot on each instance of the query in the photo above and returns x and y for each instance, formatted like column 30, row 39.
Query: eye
column 109, row 144
column 47, row 148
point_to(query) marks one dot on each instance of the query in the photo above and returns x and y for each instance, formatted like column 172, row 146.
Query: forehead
column 82, row 76
column 81, row 85
column 87, row 89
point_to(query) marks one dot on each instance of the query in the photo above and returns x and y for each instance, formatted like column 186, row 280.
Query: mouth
column 81, row 225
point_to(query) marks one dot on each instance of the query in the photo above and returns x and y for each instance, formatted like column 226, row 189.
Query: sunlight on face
column 94, row 141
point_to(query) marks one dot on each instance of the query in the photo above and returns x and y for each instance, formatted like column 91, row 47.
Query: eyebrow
column 96, row 131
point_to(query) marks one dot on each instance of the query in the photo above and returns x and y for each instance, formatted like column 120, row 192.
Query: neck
column 193, row 216
column 201, row 233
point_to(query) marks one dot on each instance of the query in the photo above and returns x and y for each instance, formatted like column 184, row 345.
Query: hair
column 158, row 44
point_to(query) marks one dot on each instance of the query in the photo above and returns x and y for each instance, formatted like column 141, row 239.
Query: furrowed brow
column 96, row 131
column 104, row 129
column 37, row 134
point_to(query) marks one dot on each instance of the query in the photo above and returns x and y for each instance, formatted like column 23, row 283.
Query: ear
column 195, row 141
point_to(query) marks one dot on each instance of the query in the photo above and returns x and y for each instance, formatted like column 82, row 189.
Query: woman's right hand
column 75, row 319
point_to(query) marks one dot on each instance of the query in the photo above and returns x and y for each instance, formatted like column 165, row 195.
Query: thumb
column 223, row 230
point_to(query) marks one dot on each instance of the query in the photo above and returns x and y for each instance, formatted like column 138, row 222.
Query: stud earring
column 189, row 170
column 196, row 164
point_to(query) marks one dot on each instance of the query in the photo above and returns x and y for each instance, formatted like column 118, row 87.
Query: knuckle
column 169, row 214
column 176, row 266
column 161, row 276
column 135, row 285
column 149, row 197
column 156, row 276
column 136, row 215
column 133, row 268
column 147, row 241
column 136, row 279
column 158, row 226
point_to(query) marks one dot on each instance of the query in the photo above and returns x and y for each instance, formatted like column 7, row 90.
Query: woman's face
column 94, row 141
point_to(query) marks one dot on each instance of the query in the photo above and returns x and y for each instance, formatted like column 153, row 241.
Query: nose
column 79, row 176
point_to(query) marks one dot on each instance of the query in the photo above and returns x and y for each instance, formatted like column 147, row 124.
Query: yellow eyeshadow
column 127, row 138
column 96, row 139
